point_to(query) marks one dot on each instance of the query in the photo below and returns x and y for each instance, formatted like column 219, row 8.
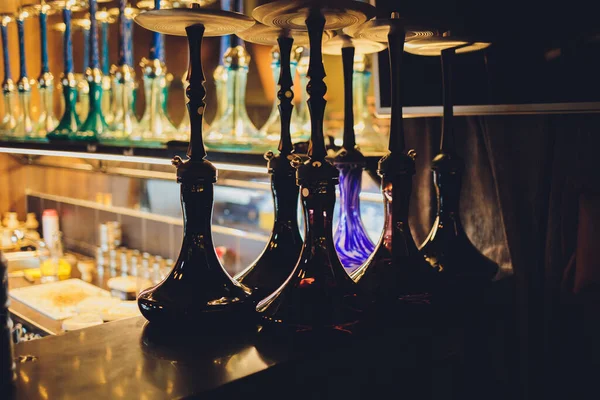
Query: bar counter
column 446, row 353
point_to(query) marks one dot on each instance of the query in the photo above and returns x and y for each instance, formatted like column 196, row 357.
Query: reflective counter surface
column 446, row 352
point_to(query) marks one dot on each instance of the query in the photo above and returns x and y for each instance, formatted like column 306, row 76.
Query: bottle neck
column 360, row 85
column 396, row 198
column 318, row 201
column 285, row 200
column 197, row 204
column 448, row 186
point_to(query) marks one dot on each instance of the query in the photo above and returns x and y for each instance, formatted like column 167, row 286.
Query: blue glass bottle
column 352, row 243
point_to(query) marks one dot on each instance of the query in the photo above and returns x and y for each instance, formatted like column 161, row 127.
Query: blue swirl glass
column 352, row 242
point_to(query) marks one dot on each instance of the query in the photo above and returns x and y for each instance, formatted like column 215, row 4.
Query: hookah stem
column 195, row 92
column 122, row 33
column 5, row 54
column 95, row 56
column 285, row 94
column 396, row 48
column 128, row 41
column 104, row 27
column 44, row 40
column 22, row 59
column 237, row 6
column 155, row 46
column 68, row 42
column 225, row 39
column 86, row 49
column 348, row 66
column 447, row 139
column 316, row 88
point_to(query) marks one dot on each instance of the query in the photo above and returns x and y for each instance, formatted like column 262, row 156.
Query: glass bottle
column 155, row 125
column 123, row 79
column 9, row 118
column 94, row 126
column 352, row 242
column 271, row 130
column 319, row 295
column 276, row 262
column 47, row 120
column 25, row 125
column 104, row 18
column 234, row 130
column 69, row 122
column 447, row 248
column 369, row 137
column 395, row 271
column 198, row 289
column 83, row 87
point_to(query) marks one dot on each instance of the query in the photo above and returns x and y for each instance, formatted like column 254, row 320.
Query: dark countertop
column 426, row 350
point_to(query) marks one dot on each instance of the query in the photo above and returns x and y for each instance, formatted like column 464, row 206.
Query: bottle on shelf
column 25, row 125
column 155, row 125
column 69, row 122
column 94, row 127
column 9, row 119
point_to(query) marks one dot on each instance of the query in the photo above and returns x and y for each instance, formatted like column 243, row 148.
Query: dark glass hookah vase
column 352, row 243
column 198, row 290
column 281, row 253
column 447, row 249
column 395, row 271
column 319, row 295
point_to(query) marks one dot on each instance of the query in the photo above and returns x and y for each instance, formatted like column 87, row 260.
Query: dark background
column 541, row 52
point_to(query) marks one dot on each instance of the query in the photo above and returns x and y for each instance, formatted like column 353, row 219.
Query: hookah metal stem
column 86, row 49
column 68, row 47
column 105, row 64
column 348, row 67
column 44, row 40
column 447, row 139
column 195, row 92
column 316, row 87
column 237, row 6
column 285, row 95
column 225, row 39
column 122, row 33
column 6, row 53
column 156, row 44
column 396, row 37
column 129, row 42
column 95, row 56
column 22, row 59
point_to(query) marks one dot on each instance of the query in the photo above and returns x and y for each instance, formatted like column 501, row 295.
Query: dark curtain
column 524, row 182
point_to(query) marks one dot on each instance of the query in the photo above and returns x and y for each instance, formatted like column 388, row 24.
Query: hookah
column 69, row 122
column 123, row 77
column 352, row 242
column 94, row 127
column 155, row 125
column 25, row 126
column 318, row 295
column 47, row 120
column 271, row 129
column 276, row 262
column 395, row 271
column 234, row 130
column 197, row 290
column 83, row 87
column 460, row 267
column 105, row 19
column 9, row 119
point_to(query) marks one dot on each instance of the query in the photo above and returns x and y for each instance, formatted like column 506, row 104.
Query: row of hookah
column 111, row 114
column 317, row 282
